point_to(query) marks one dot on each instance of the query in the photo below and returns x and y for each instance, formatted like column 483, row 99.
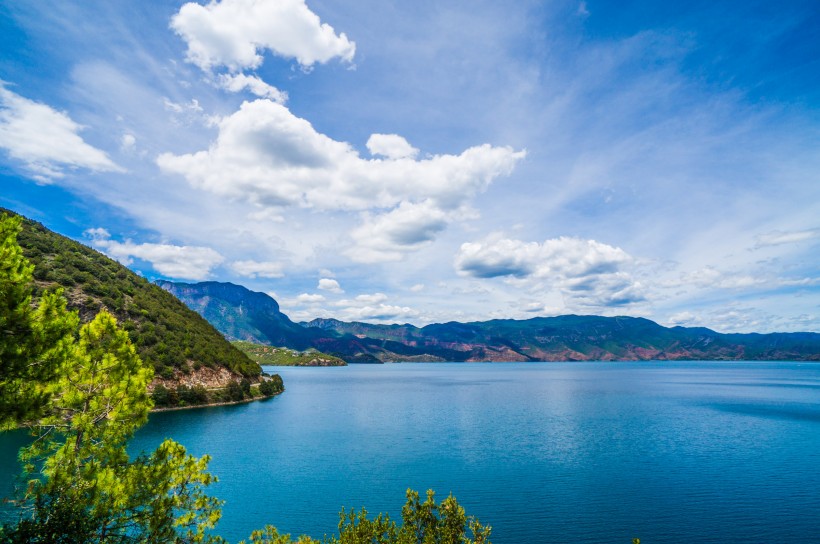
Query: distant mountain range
column 241, row 314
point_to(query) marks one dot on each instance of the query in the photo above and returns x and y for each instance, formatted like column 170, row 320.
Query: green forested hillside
column 165, row 332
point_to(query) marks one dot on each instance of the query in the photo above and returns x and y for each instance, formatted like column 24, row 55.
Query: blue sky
column 431, row 161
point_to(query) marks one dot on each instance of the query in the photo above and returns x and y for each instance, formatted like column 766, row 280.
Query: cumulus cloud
column 379, row 312
column 182, row 262
column 331, row 285
column 266, row 155
column 565, row 256
column 256, row 269
column 235, row 34
column 588, row 273
column 306, row 298
column 777, row 237
column 239, row 82
column 391, row 146
column 45, row 140
column 387, row 237
column 365, row 299
column 372, row 307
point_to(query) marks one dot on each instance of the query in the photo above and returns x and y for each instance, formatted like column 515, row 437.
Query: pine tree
column 79, row 465
column 32, row 340
column 84, row 394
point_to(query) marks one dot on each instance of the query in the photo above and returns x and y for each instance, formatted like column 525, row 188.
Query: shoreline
column 212, row 404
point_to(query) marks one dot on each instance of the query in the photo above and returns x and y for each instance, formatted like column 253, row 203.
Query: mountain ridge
column 558, row 338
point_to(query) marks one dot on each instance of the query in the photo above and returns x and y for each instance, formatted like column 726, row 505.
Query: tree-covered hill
column 172, row 338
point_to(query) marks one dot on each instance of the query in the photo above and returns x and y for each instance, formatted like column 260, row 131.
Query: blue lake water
column 543, row 452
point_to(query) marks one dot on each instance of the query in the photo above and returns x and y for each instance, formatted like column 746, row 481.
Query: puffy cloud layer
column 564, row 256
column 588, row 273
column 266, row 155
column 235, row 33
column 181, row 262
column 45, row 140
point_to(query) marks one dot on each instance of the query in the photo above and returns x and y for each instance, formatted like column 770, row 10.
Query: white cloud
column 182, row 262
column 588, row 273
column 380, row 312
column 387, row 237
column 266, row 155
column 331, row 285
column 375, row 298
column 417, row 288
column 235, row 33
column 777, row 237
column 45, row 140
column 564, row 256
column 239, row 82
column 256, row 269
column 306, row 298
column 372, row 307
column 391, row 146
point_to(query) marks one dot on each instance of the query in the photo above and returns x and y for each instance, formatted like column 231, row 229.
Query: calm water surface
column 578, row 452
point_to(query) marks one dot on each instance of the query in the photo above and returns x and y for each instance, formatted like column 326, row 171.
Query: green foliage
column 32, row 340
column 246, row 387
column 235, row 392
column 80, row 473
column 165, row 332
column 275, row 356
column 162, row 396
column 422, row 523
column 271, row 386
column 270, row 535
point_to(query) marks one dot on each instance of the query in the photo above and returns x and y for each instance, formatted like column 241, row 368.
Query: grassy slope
column 165, row 332
column 269, row 355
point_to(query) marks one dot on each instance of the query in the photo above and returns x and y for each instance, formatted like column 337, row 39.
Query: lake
column 543, row 452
